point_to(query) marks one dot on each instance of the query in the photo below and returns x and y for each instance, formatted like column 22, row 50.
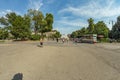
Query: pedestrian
column 41, row 42
column 63, row 40
column 57, row 40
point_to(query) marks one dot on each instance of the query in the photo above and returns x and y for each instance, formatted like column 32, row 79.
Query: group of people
column 63, row 40
column 57, row 40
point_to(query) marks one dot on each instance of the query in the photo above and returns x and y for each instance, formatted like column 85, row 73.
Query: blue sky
column 69, row 15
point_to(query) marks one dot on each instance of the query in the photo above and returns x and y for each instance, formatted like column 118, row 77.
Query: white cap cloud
column 94, row 9
column 35, row 4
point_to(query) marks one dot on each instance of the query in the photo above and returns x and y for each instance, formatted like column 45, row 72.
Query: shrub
column 104, row 40
column 35, row 37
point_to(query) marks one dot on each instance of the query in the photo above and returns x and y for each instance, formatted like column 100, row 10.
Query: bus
column 88, row 38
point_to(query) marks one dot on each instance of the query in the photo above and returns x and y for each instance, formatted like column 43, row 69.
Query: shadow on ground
column 18, row 76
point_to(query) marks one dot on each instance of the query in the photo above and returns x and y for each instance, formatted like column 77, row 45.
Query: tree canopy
column 101, row 29
column 3, row 33
column 41, row 24
column 21, row 26
column 91, row 26
column 115, row 32
column 57, row 34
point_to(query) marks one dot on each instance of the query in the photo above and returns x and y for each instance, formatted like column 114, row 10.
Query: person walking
column 57, row 40
column 63, row 40
column 41, row 42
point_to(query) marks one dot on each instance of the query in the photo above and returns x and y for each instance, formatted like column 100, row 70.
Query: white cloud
column 35, row 4
column 66, row 30
column 94, row 9
column 66, row 25
column 73, row 23
column 4, row 12
column 50, row 1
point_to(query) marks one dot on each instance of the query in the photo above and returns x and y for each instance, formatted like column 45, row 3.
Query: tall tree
column 3, row 21
column 74, row 34
column 78, row 33
column 49, row 19
column 41, row 24
column 101, row 29
column 57, row 34
column 83, row 31
column 115, row 32
column 36, row 17
column 19, row 26
column 3, row 33
column 90, row 26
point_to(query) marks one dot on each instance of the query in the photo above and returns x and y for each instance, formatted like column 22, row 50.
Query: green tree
column 79, row 33
column 36, row 17
column 41, row 24
column 90, row 28
column 19, row 26
column 101, row 29
column 82, row 31
column 49, row 19
column 57, row 34
column 115, row 32
column 3, row 21
column 74, row 34
column 3, row 33
column 38, row 21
